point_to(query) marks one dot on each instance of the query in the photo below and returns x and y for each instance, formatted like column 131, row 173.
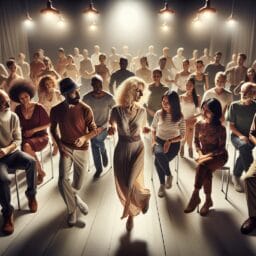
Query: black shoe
column 248, row 226
column 104, row 158
column 97, row 174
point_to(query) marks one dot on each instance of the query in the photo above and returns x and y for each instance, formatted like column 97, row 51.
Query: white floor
column 163, row 230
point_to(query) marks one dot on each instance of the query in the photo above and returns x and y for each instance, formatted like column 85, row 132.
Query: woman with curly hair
column 168, row 129
column 210, row 141
column 128, row 117
column 34, row 121
column 48, row 95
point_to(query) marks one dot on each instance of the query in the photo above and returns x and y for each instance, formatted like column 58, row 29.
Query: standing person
column 233, row 61
column 201, row 78
column 86, row 68
column 113, row 60
column 237, row 73
column 36, row 66
column 77, row 57
column 11, row 158
column 71, row 70
column 48, row 70
column 120, row 75
column 25, row 67
column 213, row 68
column 240, row 116
column 182, row 76
column 102, row 70
column 152, row 57
column 34, row 122
column 178, row 59
column 210, row 142
column 128, row 118
column 206, row 58
column 61, row 62
column 101, row 103
column 190, row 103
column 156, row 92
column 167, row 74
column 76, row 126
column 168, row 129
column 192, row 61
column 95, row 56
column 144, row 72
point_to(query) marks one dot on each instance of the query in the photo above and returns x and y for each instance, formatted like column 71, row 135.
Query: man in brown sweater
column 76, row 125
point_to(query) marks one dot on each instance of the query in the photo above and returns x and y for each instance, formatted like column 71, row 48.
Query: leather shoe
column 248, row 226
column 8, row 226
column 193, row 203
column 205, row 208
column 32, row 203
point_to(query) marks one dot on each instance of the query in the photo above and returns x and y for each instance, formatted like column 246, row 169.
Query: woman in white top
column 49, row 97
column 182, row 77
column 168, row 129
column 71, row 69
column 190, row 103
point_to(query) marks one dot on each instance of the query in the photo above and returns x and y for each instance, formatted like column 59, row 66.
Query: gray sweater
column 9, row 129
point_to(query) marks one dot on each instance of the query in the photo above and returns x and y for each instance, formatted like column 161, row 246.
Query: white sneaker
column 168, row 182
column 72, row 218
column 238, row 186
column 161, row 191
column 82, row 206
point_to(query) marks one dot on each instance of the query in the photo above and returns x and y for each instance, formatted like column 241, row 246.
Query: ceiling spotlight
column 61, row 23
column 165, row 27
column 196, row 22
column 231, row 22
column 166, row 9
column 49, row 9
column 91, row 9
column 207, row 8
column 93, row 27
column 28, row 21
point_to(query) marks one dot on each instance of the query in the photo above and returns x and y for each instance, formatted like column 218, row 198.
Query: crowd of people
column 175, row 100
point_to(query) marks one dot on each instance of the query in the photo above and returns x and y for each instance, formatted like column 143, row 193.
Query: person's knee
column 4, row 178
column 26, row 147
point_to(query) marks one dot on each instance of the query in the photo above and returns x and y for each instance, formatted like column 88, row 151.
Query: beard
column 73, row 101
column 5, row 115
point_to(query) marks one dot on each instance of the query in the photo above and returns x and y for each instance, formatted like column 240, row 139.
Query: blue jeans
column 245, row 157
column 8, row 164
column 98, row 148
column 162, row 159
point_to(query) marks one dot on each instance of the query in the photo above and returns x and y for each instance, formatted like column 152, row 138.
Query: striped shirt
column 167, row 129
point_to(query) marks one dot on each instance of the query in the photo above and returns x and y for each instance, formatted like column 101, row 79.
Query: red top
column 38, row 118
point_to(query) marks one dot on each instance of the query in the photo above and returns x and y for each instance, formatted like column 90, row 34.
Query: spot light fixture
column 91, row 10
column 231, row 22
column 166, row 10
column 28, row 21
column 49, row 9
column 207, row 8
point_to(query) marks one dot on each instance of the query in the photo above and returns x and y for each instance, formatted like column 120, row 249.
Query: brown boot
column 193, row 203
column 32, row 203
column 205, row 208
column 8, row 226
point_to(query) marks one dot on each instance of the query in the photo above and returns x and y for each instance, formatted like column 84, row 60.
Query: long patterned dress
column 129, row 160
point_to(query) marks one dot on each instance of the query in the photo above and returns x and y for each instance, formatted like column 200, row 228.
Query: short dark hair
column 218, row 53
column 10, row 62
column 242, row 55
column 19, row 86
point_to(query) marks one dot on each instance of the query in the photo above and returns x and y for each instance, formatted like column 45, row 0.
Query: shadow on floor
column 128, row 247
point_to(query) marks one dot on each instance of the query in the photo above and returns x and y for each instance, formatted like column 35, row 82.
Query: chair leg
column 177, row 168
column 227, row 185
column 222, row 180
column 17, row 190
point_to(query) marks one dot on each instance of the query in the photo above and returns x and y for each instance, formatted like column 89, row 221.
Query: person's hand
column 203, row 158
column 3, row 152
column 63, row 150
column 111, row 130
column 28, row 133
column 146, row 130
column 166, row 146
column 252, row 138
column 80, row 141
column 99, row 130
column 244, row 138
